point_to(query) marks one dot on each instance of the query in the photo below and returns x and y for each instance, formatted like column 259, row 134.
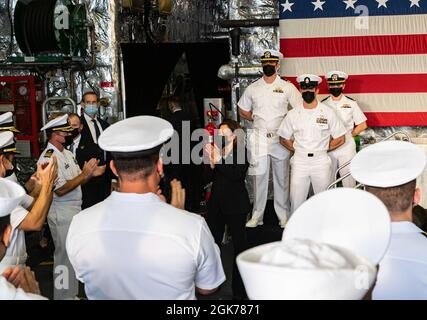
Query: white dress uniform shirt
column 9, row 292
column 403, row 270
column 311, row 128
column 135, row 246
column 348, row 110
column 268, row 103
column 350, row 114
column 68, row 169
column 61, row 212
column 91, row 126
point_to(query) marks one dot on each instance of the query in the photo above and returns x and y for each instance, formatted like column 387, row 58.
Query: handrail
column 44, row 110
column 348, row 162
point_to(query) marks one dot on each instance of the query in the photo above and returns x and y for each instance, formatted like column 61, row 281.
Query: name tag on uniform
column 346, row 106
column 67, row 166
column 322, row 123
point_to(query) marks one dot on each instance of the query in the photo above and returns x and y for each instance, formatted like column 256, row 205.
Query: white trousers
column 280, row 183
column 306, row 170
column 65, row 284
column 340, row 156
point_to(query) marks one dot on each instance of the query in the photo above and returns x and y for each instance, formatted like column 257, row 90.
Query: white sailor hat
column 7, row 143
column 309, row 81
column 11, row 195
column 6, row 122
column 333, row 239
column 336, row 77
column 271, row 55
column 58, row 124
column 135, row 136
column 306, row 270
column 388, row 164
column 350, row 218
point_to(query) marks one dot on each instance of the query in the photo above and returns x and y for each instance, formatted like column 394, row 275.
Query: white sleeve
column 210, row 273
column 295, row 98
column 358, row 116
column 245, row 102
column 9, row 292
column 336, row 128
column 17, row 216
column 285, row 130
column 27, row 201
column 71, row 249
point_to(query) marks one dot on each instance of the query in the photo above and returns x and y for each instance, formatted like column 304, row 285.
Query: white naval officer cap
column 7, row 143
column 388, row 164
column 336, row 77
column 303, row 269
column 271, row 55
column 309, row 80
column 329, row 241
column 11, row 195
column 58, row 124
column 6, row 122
column 135, row 136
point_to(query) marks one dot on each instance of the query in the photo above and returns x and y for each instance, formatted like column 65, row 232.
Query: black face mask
column 336, row 92
column 221, row 141
column 308, row 96
column 9, row 172
column 68, row 141
column 75, row 133
column 269, row 70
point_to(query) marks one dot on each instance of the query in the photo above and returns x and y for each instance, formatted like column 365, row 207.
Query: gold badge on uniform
column 346, row 106
column 278, row 90
column 48, row 153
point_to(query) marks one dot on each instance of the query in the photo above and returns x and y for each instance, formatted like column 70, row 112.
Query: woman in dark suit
column 229, row 202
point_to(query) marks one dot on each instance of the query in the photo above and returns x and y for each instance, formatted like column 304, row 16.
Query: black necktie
column 97, row 133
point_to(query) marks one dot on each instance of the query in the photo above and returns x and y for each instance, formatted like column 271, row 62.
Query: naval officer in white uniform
column 310, row 130
column 67, row 200
column 389, row 171
column 133, row 245
column 353, row 119
column 265, row 102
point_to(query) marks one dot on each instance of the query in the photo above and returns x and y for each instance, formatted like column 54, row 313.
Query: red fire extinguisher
column 210, row 130
column 210, row 126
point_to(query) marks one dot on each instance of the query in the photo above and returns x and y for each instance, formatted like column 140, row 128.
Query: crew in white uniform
column 389, row 171
column 353, row 119
column 330, row 249
column 266, row 102
column 11, row 288
column 7, row 124
column 133, row 245
column 31, row 214
column 311, row 130
column 66, row 202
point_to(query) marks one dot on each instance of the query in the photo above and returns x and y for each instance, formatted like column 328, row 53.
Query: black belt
column 310, row 154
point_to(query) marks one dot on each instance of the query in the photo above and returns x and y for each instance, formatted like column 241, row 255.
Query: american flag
column 381, row 44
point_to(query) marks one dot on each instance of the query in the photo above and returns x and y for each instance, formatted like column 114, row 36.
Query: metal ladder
column 338, row 180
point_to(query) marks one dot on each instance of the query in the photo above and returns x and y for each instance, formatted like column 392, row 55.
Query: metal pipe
column 333, row 184
column 228, row 72
column 123, row 86
column 249, row 23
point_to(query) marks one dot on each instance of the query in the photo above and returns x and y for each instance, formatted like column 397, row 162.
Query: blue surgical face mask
column 91, row 109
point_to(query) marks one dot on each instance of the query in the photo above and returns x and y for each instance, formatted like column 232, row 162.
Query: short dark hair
column 90, row 92
column 135, row 168
column 232, row 124
column 4, row 222
column 73, row 115
column 397, row 199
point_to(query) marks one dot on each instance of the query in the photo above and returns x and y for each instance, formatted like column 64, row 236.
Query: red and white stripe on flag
column 386, row 60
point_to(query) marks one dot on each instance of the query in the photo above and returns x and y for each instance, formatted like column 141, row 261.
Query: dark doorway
column 148, row 67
